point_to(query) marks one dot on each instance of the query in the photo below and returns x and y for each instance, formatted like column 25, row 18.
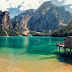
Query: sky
column 17, row 6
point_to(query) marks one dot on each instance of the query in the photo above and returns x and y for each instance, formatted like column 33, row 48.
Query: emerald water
column 28, row 47
column 29, row 54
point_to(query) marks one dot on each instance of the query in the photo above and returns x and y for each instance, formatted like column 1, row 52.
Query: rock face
column 23, row 18
column 6, row 28
column 48, row 17
column 5, row 19
column 15, row 26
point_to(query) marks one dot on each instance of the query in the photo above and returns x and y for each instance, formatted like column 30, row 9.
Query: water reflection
column 15, row 43
column 11, row 43
column 3, row 42
column 49, row 41
column 45, row 45
column 29, row 45
column 26, row 42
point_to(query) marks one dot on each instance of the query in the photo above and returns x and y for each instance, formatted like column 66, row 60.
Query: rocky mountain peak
column 48, row 17
column 23, row 18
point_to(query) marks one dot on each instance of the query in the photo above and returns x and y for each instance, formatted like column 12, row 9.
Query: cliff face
column 5, row 19
column 6, row 28
column 23, row 18
column 48, row 17
column 15, row 26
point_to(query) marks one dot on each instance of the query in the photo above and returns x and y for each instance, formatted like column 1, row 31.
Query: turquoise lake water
column 29, row 47
column 31, row 54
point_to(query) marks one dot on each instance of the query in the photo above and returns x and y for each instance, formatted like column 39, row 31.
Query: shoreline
column 51, row 65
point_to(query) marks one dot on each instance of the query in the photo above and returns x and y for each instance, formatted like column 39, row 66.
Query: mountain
column 64, row 32
column 6, row 25
column 5, row 19
column 49, row 17
column 22, row 19
column 41, row 22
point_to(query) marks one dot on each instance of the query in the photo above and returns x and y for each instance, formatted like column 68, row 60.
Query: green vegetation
column 2, row 33
column 5, row 32
column 12, row 33
column 64, row 32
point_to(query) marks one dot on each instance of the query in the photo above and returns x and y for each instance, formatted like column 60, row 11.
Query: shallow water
column 31, row 54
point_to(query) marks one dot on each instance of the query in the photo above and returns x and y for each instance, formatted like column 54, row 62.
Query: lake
column 33, row 54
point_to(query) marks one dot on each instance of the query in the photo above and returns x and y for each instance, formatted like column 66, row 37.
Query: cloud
column 67, row 2
column 70, row 6
column 60, row 0
column 5, row 4
column 26, row 4
column 32, row 4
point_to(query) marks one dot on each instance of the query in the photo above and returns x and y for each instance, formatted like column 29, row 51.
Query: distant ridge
column 64, row 32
